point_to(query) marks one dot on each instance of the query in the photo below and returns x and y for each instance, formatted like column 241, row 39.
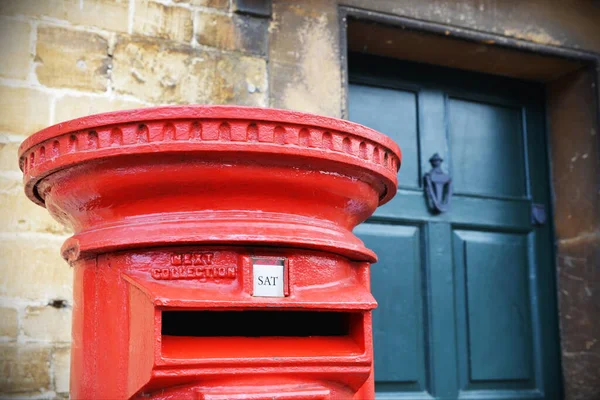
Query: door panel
column 486, row 147
column 398, row 329
column 493, row 306
column 466, row 298
column 393, row 112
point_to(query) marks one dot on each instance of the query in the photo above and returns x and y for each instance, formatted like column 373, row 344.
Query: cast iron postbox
column 213, row 250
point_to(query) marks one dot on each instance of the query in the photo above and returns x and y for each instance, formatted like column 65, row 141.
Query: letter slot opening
column 261, row 333
column 255, row 323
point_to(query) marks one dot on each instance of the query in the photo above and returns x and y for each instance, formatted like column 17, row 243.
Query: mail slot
column 213, row 251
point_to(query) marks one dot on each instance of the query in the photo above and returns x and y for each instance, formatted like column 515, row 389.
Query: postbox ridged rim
column 40, row 156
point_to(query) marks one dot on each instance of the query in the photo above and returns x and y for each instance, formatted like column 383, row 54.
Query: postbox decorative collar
column 210, row 174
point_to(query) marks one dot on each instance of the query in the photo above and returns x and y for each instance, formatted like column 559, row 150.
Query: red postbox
column 213, row 250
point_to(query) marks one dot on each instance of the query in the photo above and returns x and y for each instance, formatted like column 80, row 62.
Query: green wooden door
column 467, row 304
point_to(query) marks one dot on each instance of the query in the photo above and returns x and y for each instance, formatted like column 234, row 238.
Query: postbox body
column 213, row 251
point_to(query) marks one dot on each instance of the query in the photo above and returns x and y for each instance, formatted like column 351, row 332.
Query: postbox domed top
column 182, row 141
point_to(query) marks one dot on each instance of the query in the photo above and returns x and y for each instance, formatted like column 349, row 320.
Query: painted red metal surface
column 172, row 206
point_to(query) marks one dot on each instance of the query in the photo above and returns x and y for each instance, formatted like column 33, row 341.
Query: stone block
column 23, row 110
column 111, row 15
column 8, row 183
column 579, row 305
column 240, row 80
column 72, row 59
column 159, row 72
column 61, row 362
column 304, row 57
column 217, row 4
column 24, row 368
column 158, row 20
column 581, row 376
column 8, row 154
column 302, row 88
column 32, row 268
column 9, row 324
column 301, row 30
column 579, row 292
column 47, row 323
column 69, row 107
column 240, row 33
column 14, row 45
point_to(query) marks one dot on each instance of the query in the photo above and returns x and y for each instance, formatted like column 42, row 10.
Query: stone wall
column 63, row 59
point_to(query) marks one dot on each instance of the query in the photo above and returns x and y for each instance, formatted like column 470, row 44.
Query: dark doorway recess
column 467, row 298
column 568, row 80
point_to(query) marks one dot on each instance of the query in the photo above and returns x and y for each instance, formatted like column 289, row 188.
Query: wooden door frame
column 571, row 79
